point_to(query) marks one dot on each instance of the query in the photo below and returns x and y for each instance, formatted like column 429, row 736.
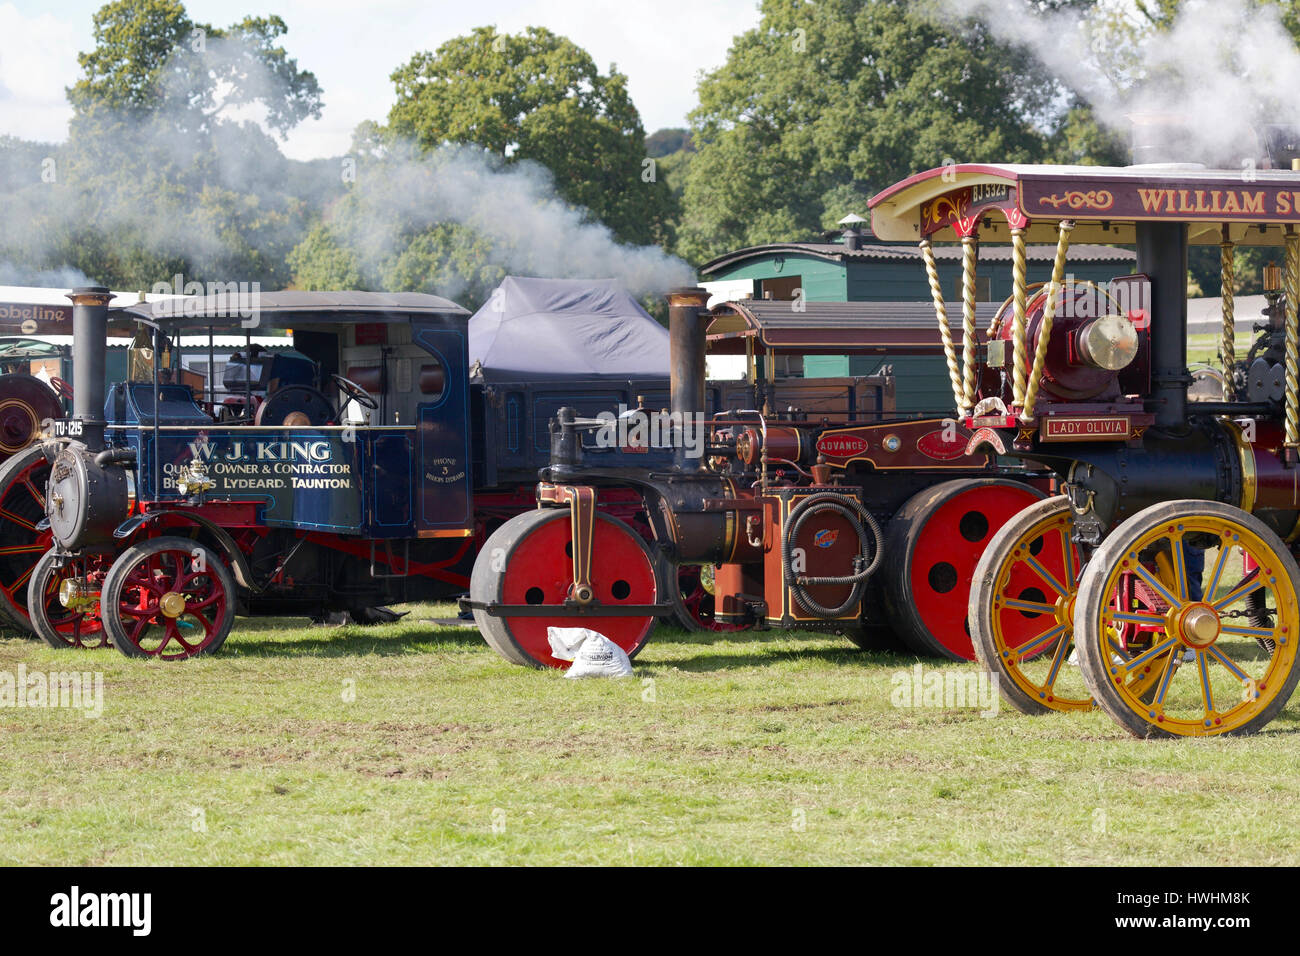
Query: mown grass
column 1203, row 348
column 765, row 749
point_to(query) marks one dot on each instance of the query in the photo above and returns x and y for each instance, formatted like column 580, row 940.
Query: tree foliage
column 157, row 177
column 848, row 95
column 150, row 61
column 539, row 96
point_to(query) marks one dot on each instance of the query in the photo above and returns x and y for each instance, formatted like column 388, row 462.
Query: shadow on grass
column 278, row 637
column 842, row 652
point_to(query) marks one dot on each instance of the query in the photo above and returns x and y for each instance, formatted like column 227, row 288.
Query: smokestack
column 687, row 319
column 89, row 383
column 1162, row 254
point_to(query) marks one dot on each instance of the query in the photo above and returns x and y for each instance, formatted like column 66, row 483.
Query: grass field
column 773, row 748
column 1203, row 349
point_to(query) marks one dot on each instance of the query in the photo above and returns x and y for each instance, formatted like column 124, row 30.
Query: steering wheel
column 61, row 388
column 355, row 392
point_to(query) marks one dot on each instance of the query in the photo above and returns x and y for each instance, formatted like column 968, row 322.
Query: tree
column 157, row 176
column 538, row 96
column 665, row 142
column 151, row 60
column 849, row 94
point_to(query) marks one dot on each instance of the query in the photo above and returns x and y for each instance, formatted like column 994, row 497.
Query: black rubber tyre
column 54, row 623
column 914, row 537
column 1263, row 694
column 152, row 569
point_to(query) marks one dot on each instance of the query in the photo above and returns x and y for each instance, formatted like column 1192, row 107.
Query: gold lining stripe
column 1249, row 474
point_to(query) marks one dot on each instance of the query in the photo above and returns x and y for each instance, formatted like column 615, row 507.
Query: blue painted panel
column 393, row 484
column 305, row 477
column 443, row 474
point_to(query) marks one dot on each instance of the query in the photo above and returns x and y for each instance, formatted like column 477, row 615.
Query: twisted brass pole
column 941, row 314
column 1049, row 315
column 1018, row 281
column 1292, row 406
column 969, row 249
column 1227, row 268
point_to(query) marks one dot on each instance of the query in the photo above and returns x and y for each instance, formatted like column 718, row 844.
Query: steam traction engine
column 1161, row 585
column 794, row 520
column 165, row 522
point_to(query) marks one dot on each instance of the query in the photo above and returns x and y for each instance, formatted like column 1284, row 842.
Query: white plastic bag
column 593, row 654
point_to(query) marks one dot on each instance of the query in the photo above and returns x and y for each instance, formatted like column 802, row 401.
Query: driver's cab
column 266, row 386
column 385, row 376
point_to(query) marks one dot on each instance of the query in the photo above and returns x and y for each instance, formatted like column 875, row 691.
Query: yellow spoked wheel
column 1021, row 610
column 1218, row 627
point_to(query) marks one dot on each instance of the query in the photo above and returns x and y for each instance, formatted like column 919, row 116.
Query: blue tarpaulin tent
column 565, row 328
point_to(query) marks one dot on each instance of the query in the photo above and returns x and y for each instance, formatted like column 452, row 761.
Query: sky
column 353, row 47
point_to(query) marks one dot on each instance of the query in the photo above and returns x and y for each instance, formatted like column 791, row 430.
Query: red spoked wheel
column 168, row 598
column 64, row 599
column 934, row 543
column 696, row 610
column 22, row 506
column 528, row 561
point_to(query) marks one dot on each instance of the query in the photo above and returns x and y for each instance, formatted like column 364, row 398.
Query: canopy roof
column 566, row 328
column 900, row 328
column 838, row 252
column 289, row 309
column 1104, row 202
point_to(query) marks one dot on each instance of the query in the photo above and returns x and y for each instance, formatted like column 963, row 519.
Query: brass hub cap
column 172, row 604
column 1065, row 609
column 1198, row 626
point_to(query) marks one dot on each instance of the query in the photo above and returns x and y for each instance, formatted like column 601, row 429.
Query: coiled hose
column 860, row 520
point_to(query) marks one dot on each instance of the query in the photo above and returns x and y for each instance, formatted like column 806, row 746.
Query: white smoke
column 19, row 275
column 1226, row 67
column 525, row 227
column 216, row 199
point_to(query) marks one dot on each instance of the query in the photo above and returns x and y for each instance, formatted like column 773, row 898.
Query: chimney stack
column 687, row 321
column 89, row 382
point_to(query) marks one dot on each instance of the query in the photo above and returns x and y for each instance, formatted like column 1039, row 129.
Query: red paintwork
column 360, row 548
column 141, row 615
column 77, row 628
column 539, row 563
column 841, row 446
column 700, row 604
column 941, row 542
column 934, row 446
